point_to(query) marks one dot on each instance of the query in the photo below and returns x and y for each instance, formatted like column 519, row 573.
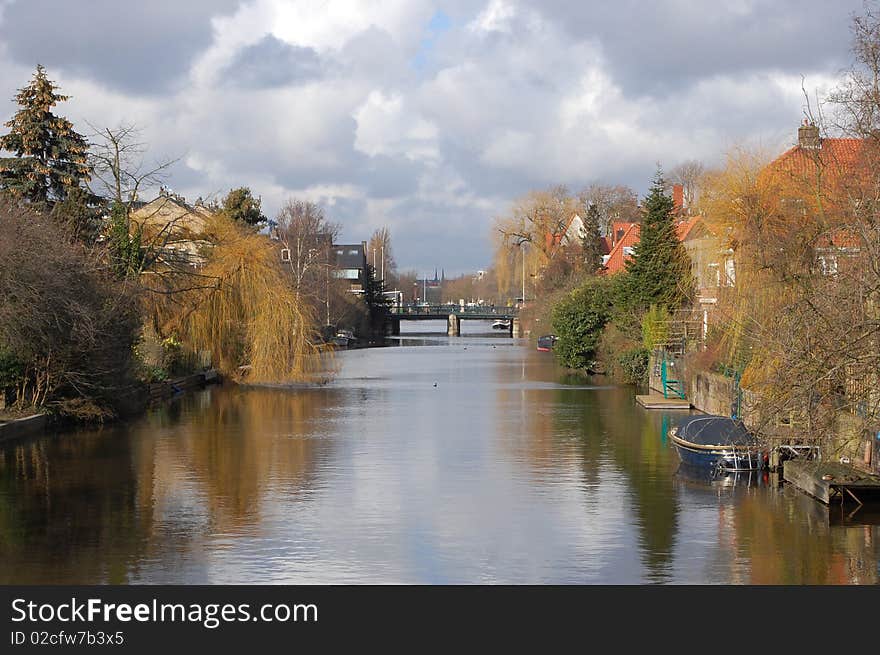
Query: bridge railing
column 446, row 310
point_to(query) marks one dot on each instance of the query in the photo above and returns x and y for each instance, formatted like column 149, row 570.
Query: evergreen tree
column 50, row 156
column 659, row 271
column 592, row 246
column 240, row 205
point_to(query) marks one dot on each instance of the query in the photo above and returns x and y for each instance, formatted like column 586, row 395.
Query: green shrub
column 634, row 365
column 655, row 327
column 578, row 320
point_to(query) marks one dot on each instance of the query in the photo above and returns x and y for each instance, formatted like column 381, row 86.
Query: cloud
column 271, row 62
column 139, row 47
column 430, row 121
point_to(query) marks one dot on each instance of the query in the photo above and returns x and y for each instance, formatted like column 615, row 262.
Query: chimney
column 677, row 198
column 808, row 136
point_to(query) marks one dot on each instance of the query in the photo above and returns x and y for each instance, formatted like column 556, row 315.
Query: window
column 353, row 252
column 348, row 273
column 828, row 264
column 627, row 251
column 713, row 276
column 729, row 272
column 285, row 254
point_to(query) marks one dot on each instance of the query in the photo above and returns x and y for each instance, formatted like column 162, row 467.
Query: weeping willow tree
column 249, row 317
column 531, row 230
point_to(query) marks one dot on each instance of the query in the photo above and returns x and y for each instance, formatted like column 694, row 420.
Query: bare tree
column 689, row 174
column 118, row 161
column 379, row 250
column 857, row 100
column 612, row 202
column 306, row 236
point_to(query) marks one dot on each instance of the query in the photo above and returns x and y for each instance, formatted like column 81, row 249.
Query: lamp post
column 523, row 246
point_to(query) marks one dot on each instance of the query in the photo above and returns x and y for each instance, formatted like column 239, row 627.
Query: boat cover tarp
column 714, row 430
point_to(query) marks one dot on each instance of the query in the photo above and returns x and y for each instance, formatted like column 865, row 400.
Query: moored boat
column 501, row 324
column 343, row 339
column 716, row 442
column 546, row 342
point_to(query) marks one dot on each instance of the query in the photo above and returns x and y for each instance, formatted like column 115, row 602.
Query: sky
column 428, row 117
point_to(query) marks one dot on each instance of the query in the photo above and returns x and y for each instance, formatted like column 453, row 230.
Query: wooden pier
column 657, row 401
column 829, row 481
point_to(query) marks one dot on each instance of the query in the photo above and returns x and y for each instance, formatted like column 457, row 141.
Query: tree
column 529, row 235
column 253, row 322
column 592, row 245
column 51, row 158
column 306, row 235
column 374, row 297
column 578, row 321
column 659, row 271
column 613, row 203
column 689, row 174
column 117, row 160
column 240, row 205
column 379, row 250
column 67, row 327
column 80, row 214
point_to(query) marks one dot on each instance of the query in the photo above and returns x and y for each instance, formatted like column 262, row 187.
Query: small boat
column 501, row 324
column 716, row 442
column 343, row 338
column 546, row 342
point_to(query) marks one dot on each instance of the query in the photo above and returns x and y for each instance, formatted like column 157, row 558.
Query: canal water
column 433, row 460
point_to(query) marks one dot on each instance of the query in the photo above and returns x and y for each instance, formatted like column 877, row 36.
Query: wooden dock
column 657, row 401
column 827, row 481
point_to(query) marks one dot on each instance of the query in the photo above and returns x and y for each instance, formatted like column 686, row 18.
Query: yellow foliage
column 251, row 316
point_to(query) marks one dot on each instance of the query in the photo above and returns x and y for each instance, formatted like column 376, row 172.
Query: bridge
column 453, row 314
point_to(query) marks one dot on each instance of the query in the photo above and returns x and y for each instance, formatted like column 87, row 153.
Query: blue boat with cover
column 716, row 442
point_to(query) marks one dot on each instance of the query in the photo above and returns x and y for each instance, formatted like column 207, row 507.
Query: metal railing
column 446, row 310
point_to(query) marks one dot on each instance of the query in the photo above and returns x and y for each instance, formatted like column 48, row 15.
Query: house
column 621, row 245
column 827, row 171
column 174, row 228
column 350, row 261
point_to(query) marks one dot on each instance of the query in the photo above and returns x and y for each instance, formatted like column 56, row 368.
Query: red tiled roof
column 838, row 158
column 684, row 227
column 617, row 257
column 839, row 238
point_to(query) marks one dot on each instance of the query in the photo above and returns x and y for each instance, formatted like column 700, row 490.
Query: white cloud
column 496, row 17
column 436, row 129
column 386, row 127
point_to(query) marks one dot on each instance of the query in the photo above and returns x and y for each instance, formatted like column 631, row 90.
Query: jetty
column 831, row 481
column 657, row 401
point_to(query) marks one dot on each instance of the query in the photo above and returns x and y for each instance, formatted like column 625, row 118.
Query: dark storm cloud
column 272, row 63
column 659, row 47
column 136, row 47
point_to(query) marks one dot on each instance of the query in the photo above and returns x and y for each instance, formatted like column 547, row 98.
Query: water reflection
column 436, row 460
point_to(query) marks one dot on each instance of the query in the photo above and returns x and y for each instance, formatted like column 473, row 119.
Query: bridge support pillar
column 515, row 328
column 453, row 326
column 392, row 327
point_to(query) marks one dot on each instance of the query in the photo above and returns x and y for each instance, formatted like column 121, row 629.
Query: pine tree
column 50, row 156
column 659, row 271
column 592, row 239
column 240, row 205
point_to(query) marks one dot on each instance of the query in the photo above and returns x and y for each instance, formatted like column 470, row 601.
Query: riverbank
column 15, row 428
